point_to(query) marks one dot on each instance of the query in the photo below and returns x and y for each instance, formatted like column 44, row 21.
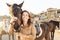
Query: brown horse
column 15, row 12
column 43, row 32
column 53, row 25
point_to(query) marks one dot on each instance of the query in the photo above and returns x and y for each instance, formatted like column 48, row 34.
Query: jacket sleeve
column 33, row 33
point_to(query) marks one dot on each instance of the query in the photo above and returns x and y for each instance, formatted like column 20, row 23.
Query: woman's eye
column 26, row 15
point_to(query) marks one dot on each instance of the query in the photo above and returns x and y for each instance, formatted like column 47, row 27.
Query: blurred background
column 40, row 10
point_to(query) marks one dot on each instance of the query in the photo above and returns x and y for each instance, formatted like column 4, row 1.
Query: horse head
column 56, row 23
column 15, row 12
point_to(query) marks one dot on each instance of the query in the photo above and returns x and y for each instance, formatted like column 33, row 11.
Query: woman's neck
column 25, row 24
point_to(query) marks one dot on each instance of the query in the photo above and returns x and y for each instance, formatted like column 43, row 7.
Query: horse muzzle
column 17, row 28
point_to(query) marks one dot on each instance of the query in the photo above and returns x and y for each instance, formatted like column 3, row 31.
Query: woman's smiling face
column 25, row 16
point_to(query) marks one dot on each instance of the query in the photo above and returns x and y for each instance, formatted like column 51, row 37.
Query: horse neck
column 55, row 23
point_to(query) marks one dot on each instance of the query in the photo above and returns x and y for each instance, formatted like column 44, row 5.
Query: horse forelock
column 16, row 9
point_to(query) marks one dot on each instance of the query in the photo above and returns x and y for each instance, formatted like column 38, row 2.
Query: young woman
column 28, row 31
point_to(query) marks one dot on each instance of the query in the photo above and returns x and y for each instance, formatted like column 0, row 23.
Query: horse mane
column 55, row 22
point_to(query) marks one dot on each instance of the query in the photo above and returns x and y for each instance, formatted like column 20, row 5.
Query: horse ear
column 8, row 5
column 21, row 4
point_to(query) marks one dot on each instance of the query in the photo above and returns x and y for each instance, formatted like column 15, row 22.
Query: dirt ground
column 57, row 35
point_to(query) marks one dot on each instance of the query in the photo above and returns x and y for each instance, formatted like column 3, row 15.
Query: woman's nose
column 24, row 16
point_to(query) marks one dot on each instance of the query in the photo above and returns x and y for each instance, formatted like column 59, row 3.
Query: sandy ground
column 57, row 36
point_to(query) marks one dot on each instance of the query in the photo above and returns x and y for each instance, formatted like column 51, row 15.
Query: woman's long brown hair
column 29, row 20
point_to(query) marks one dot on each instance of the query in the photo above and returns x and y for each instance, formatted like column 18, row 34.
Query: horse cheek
column 11, row 31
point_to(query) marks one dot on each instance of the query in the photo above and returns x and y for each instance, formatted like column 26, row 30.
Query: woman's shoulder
column 32, row 25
